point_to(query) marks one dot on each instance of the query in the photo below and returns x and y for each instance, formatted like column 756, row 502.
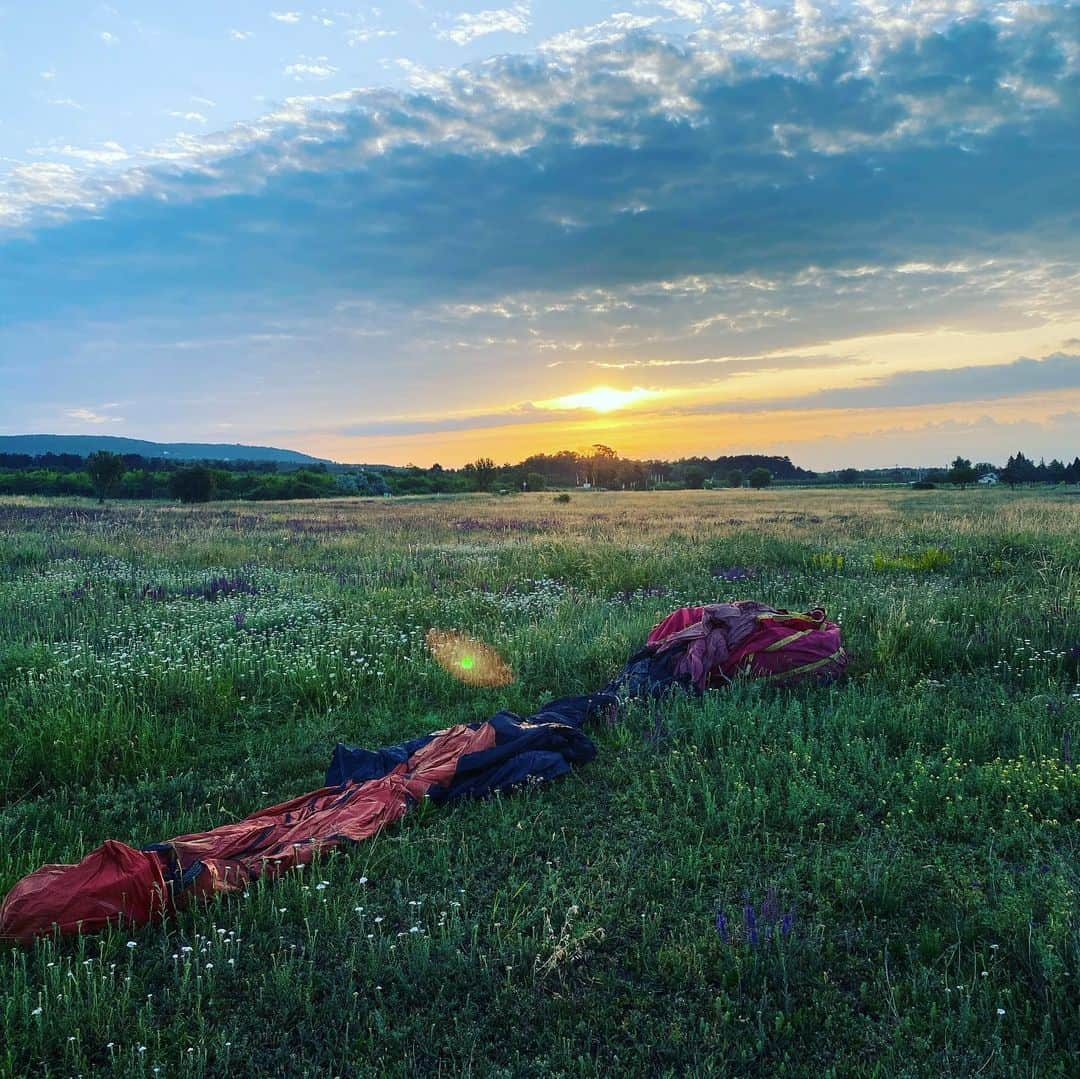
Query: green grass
column 921, row 821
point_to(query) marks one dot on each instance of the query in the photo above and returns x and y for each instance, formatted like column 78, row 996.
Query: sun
column 602, row 398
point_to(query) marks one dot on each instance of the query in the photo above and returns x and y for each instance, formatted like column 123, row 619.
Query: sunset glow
column 602, row 399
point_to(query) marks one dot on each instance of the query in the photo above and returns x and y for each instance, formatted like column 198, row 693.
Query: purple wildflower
column 751, row 924
column 238, row 619
column 722, row 927
column 1066, row 748
column 787, row 923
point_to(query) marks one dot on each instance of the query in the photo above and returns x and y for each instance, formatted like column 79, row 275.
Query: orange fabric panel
column 113, row 883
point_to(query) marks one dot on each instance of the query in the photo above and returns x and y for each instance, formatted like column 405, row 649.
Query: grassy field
column 164, row 670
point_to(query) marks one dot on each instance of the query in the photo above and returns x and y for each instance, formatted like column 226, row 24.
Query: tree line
column 110, row 475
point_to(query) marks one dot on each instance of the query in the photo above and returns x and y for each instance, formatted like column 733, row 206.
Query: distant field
column 166, row 669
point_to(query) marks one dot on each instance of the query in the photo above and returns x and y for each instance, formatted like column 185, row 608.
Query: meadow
column 874, row 878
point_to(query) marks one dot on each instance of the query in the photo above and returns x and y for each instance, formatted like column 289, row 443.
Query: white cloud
column 192, row 117
column 285, row 16
column 67, row 103
column 607, row 31
column 88, row 415
column 110, row 153
column 241, row 35
column 109, row 39
column 50, row 74
column 694, row 10
column 311, row 67
column 360, row 37
column 509, row 20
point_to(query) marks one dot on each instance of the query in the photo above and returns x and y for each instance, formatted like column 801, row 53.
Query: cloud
column 286, row 16
column 193, row 117
column 50, row 74
column 986, row 382
column 241, row 35
column 757, row 154
column 468, row 27
column 361, row 37
column 307, row 67
column 110, row 153
column 693, row 10
column 88, row 415
column 728, row 366
column 108, row 38
column 605, row 32
column 905, row 389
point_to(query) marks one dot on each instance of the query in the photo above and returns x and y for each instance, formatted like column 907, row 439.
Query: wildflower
column 721, row 926
column 1001, row 1011
column 751, row 924
column 38, row 1010
column 132, row 944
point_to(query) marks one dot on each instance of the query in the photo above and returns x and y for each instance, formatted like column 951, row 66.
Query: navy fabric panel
column 575, row 711
column 649, row 675
column 351, row 765
column 523, row 750
column 533, row 764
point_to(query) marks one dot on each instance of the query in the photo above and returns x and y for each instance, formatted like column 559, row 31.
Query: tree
column 481, row 472
column 534, row 481
column 759, row 477
column 735, row 478
column 195, row 484
column 848, row 475
column 601, row 465
column 961, row 473
column 1018, row 470
column 105, row 471
column 694, row 477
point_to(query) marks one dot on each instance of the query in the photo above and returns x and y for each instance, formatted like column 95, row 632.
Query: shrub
column 564, row 497
column 930, row 560
column 196, row 484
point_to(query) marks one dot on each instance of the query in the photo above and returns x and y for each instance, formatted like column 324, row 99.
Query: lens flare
column 468, row 659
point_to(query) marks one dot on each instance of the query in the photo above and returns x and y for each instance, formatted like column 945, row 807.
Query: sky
column 416, row 232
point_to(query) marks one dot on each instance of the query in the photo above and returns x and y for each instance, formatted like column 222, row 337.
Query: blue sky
column 402, row 232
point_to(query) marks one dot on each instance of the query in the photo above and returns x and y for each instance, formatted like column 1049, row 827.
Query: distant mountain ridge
column 84, row 445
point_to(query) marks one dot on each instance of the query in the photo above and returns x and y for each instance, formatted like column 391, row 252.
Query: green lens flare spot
column 467, row 663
